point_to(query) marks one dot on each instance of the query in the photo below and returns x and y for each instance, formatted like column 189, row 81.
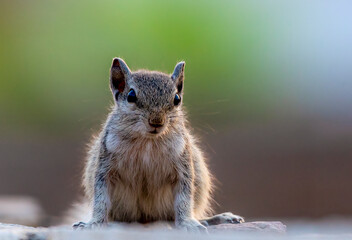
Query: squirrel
column 145, row 165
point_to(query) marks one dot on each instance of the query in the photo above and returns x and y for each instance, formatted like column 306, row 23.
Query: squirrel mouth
column 154, row 131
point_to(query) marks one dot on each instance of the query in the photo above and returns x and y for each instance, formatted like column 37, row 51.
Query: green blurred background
column 268, row 89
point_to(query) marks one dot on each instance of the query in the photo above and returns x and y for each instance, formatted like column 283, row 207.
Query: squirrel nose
column 156, row 123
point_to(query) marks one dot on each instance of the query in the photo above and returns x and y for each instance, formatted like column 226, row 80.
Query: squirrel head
column 147, row 103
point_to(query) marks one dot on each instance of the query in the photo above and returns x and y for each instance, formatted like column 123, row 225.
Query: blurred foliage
column 55, row 57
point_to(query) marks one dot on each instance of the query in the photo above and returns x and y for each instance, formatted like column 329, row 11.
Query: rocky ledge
column 136, row 231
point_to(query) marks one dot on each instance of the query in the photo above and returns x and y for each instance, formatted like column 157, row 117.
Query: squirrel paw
column 229, row 217
column 88, row 225
column 192, row 225
column 222, row 218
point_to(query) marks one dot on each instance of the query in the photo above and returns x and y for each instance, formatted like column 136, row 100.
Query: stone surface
column 270, row 227
column 136, row 231
column 244, row 231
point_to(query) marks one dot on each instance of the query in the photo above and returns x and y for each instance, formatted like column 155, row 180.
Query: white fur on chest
column 145, row 155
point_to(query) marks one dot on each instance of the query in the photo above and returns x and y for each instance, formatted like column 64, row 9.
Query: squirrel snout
column 156, row 123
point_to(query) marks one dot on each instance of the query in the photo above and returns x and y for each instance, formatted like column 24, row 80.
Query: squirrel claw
column 82, row 225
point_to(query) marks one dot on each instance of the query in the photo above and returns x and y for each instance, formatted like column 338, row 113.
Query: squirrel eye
column 177, row 99
column 131, row 96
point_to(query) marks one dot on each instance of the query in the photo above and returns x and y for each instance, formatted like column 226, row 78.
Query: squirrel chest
column 145, row 165
column 142, row 179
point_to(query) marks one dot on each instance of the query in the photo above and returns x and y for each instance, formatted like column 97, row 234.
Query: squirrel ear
column 119, row 73
column 178, row 75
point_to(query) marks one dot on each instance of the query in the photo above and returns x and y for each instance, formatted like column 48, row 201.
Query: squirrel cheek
column 130, row 106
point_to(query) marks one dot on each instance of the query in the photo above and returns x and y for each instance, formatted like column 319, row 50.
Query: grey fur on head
column 155, row 92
